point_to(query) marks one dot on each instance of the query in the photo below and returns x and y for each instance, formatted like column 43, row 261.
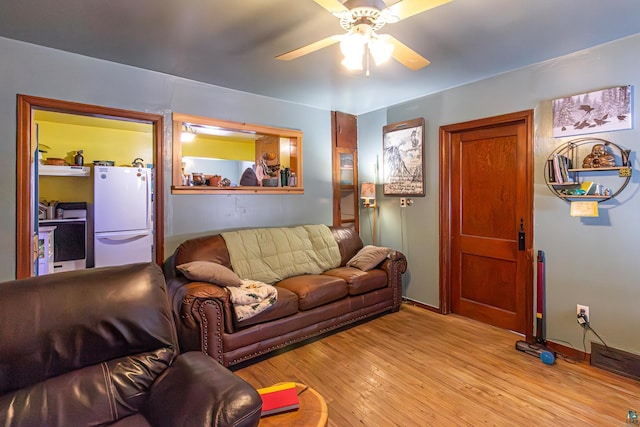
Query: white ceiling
column 233, row 43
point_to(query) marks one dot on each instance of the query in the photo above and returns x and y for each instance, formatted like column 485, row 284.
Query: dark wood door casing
column 25, row 206
column 345, row 130
column 491, row 245
column 344, row 139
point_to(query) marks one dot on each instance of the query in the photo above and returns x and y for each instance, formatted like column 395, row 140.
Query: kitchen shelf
column 51, row 170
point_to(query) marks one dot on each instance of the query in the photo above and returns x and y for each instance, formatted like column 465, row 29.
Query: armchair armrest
column 197, row 391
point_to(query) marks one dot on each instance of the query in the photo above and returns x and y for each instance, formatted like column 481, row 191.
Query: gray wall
column 38, row 71
column 590, row 261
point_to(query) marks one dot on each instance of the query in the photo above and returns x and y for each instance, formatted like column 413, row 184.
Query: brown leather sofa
column 307, row 305
column 98, row 347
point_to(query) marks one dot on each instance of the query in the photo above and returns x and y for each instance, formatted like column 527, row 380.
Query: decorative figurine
column 599, row 158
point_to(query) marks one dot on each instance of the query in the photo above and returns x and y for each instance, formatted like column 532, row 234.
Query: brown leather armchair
column 99, row 347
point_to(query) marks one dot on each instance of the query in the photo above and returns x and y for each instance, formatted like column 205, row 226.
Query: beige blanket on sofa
column 272, row 254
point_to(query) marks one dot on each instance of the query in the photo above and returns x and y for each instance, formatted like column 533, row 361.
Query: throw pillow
column 368, row 257
column 205, row 271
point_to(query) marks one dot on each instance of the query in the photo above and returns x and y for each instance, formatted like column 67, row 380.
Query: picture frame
column 604, row 110
column 403, row 158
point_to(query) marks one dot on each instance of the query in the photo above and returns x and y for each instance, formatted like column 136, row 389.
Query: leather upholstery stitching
column 304, row 337
column 205, row 330
column 110, row 391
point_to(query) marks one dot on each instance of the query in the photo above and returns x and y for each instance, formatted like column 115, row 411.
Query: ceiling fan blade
column 333, row 6
column 406, row 8
column 407, row 57
column 304, row 50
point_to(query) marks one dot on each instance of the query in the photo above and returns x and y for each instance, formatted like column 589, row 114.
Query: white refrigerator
column 123, row 231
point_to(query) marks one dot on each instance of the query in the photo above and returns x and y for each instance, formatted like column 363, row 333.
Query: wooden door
column 486, row 221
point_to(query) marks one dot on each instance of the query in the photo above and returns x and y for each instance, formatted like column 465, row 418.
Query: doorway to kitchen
column 28, row 214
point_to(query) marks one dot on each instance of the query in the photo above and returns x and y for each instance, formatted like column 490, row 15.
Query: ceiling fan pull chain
column 367, row 54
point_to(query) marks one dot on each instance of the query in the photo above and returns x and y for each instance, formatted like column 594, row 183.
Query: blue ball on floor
column 547, row 358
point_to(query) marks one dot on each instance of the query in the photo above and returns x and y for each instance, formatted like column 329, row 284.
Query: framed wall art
column 601, row 111
column 403, row 158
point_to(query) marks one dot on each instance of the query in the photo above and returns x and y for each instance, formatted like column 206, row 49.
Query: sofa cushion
column 368, row 257
column 204, row 248
column 314, row 290
column 286, row 305
column 358, row 281
column 349, row 242
column 204, row 271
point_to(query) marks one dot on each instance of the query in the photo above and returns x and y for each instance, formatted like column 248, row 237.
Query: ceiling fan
column 361, row 19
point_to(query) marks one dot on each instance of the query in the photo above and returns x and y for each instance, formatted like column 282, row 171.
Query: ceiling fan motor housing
column 367, row 12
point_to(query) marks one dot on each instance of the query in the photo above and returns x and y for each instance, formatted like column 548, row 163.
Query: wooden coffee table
column 313, row 411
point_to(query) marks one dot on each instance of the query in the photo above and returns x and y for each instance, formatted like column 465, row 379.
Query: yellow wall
column 66, row 188
column 206, row 146
column 97, row 143
column 220, row 148
column 285, row 153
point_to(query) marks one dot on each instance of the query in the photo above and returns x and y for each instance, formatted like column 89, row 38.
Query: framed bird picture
column 403, row 158
column 593, row 112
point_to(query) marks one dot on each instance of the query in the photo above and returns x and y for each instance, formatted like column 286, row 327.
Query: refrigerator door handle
column 122, row 236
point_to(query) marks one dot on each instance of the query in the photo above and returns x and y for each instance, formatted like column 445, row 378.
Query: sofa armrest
column 197, row 391
column 395, row 266
column 192, row 302
column 399, row 258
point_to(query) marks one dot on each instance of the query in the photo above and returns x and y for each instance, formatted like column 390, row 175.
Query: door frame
column 25, row 205
column 446, row 138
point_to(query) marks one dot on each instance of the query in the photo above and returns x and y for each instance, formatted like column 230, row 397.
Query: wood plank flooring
column 418, row 368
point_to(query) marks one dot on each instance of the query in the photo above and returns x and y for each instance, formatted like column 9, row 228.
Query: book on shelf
column 559, row 169
column 279, row 398
column 551, row 175
column 565, row 165
column 586, row 186
column 557, row 176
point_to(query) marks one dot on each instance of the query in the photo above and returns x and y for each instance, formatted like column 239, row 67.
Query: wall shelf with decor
column 589, row 169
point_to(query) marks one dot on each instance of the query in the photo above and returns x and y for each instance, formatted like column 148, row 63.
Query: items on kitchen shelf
column 47, row 209
column 79, row 158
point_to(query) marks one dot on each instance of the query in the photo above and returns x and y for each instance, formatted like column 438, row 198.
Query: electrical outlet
column 583, row 309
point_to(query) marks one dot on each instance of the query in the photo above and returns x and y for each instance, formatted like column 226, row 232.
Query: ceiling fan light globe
column 352, row 44
column 353, row 62
column 381, row 50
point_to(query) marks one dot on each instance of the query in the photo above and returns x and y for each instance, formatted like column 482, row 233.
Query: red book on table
column 279, row 398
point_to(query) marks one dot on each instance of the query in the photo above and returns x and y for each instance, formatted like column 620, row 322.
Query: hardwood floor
column 419, row 368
